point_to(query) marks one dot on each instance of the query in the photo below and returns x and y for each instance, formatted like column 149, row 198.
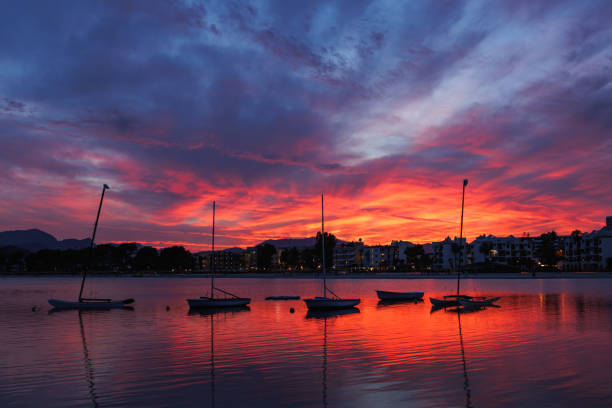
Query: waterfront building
column 380, row 257
column 589, row 251
column 401, row 250
column 512, row 251
column 348, row 256
column 447, row 255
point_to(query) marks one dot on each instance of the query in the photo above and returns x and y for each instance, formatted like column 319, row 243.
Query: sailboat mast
column 323, row 249
column 212, row 257
column 91, row 244
column 465, row 182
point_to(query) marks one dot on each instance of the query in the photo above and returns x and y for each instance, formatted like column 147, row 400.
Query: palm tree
column 577, row 238
column 485, row 249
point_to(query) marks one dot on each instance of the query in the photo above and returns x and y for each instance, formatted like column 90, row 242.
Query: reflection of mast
column 89, row 372
column 466, row 382
column 325, row 362
column 212, row 361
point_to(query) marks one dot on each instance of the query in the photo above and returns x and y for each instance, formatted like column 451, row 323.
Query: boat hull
column 476, row 303
column 451, row 300
column 330, row 304
column 205, row 302
column 386, row 295
column 91, row 305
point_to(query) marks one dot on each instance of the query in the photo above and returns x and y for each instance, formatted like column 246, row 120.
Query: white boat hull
column 386, row 295
column 323, row 303
column 89, row 305
column 205, row 302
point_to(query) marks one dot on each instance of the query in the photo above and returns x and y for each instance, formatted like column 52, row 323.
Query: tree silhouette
column 177, row 258
column 146, row 259
column 330, row 244
column 265, row 253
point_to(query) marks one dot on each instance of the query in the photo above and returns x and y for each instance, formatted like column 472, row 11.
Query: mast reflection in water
column 548, row 345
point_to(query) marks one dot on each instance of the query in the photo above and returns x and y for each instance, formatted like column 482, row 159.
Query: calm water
column 547, row 345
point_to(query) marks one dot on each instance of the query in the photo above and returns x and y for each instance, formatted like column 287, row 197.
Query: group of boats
column 220, row 298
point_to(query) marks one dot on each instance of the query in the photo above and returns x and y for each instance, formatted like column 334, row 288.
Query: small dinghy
column 283, row 298
column 324, row 302
column 90, row 304
column 386, row 295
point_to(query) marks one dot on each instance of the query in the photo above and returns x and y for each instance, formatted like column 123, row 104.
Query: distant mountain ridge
column 34, row 240
column 287, row 243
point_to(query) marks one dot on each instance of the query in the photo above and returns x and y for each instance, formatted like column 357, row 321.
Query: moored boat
column 205, row 301
column 387, row 295
column 449, row 300
column 324, row 302
column 476, row 302
column 90, row 303
column 229, row 300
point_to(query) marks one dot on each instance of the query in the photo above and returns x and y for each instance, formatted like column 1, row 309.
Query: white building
column 511, row 250
column 401, row 249
column 590, row 251
column 450, row 254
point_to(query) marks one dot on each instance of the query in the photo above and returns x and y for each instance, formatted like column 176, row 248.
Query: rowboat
column 477, row 302
column 449, row 300
column 90, row 304
column 229, row 299
column 324, row 302
column 386, row 295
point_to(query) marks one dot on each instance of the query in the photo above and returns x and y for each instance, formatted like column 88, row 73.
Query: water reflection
column 384, row 355
column 324, row 315
column 466, row 381
column 218, row 310
column 390, row 302
column 89, row 370
column 211, row 313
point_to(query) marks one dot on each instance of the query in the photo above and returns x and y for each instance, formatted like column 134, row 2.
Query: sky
column 262, row 106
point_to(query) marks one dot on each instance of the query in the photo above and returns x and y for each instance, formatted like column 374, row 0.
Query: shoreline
column 538, row 275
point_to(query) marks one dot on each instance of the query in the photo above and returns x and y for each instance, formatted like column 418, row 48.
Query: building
column 380, row 257
column 348, row 256
column 224, row 261
column 589, row 251
column 518, row 252
column 401, row 250
column 450, row 254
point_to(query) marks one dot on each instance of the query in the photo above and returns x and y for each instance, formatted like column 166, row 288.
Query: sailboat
column 230, row 300
column 455, row 300
column 325, row 302
column 91, row 303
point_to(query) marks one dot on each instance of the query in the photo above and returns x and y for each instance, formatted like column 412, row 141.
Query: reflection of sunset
column 548, row 341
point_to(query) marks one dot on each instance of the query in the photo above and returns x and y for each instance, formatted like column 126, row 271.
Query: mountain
column 34, row 240
column 299, row 243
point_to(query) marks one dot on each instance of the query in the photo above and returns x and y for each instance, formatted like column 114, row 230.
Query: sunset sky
column 263, row 106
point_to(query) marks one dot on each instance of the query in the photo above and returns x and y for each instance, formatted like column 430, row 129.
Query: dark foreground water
column 549, row 344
